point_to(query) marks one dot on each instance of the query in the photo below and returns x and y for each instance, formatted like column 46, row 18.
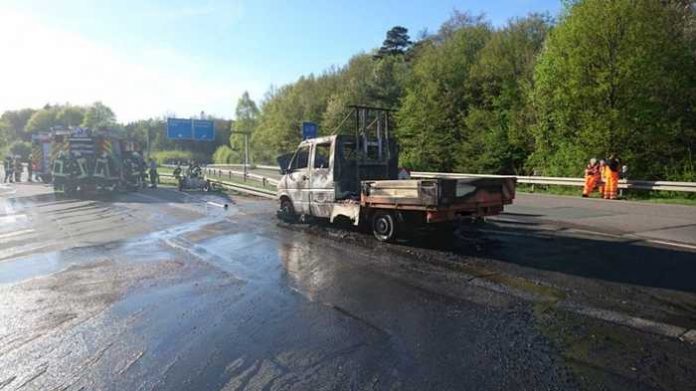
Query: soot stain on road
column 599, row 354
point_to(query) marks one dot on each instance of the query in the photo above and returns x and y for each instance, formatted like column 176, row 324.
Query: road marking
column 689, row 336
column 216, row 204
column 642, row 324
column 673, row 244
column 593, row 233
column 25, row 250
column 18, row 233
column 12, row 218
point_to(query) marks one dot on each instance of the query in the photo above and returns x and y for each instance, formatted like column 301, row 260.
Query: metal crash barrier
column 688, row 187
column 235, row 187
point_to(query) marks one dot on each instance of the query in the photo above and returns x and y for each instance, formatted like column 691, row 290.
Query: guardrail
column 261, row 166
column 689, row 187
column 214, row 170
column 237, row 187
column 240, row 174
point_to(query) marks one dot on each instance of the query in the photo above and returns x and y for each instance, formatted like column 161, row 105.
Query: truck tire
column 384, row 226
column 287, row 211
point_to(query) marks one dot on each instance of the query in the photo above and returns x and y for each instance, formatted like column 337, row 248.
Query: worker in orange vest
column 592, row 177
column 611, row 187
column 602, row 177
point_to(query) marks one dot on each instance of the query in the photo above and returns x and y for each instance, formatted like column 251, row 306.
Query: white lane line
column 673, row 244
column 216, row 204
column 647, row 325
column 12, row 218
column 28, row 249
column 18, row 233
column 593, row 233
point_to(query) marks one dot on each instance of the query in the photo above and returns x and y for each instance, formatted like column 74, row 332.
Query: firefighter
column 30, row 169
column 131, row 169
column 612, row 175
column 140, row 167
column 195, row 170
column 126, row 169
column 59, row 171
column 177, row 171
column 18, row 169
column 8, row 169
column 80, row 167
column 153, row 174
column 101, row 170
column 592, row 177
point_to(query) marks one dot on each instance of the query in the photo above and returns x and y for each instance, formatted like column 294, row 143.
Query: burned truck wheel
column 287, row 211
column 384, row 226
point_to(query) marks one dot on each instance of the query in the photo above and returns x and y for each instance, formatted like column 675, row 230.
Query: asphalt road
column 164, row 290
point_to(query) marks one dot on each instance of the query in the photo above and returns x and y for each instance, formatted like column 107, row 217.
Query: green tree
column 5, row 132
column 246, row 121
column 16, row 121
column 70, row 115
column 615, row 76
column 223, row 155
column 41, row 121
column 21, row 149
column 432, row 129
column 396, row 43
column 503, row 75
column 98, row 116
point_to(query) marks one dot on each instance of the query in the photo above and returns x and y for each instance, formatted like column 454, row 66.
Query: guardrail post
column 534, row 173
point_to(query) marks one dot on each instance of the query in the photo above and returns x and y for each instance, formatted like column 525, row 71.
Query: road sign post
column 246, row 151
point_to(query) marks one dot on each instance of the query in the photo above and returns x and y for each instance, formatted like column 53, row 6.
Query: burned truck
column 355, row 177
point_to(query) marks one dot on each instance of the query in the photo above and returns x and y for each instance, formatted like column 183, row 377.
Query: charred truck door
column 298, row 179
column 321, row 185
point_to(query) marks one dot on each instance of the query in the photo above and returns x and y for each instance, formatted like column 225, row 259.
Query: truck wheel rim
column 382, row 226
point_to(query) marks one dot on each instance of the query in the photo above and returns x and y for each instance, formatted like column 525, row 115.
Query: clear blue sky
column 150, row 58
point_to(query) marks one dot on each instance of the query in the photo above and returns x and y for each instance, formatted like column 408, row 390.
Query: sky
column 172, row 57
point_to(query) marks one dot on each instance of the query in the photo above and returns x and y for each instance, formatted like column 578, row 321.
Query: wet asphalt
column 159, row 290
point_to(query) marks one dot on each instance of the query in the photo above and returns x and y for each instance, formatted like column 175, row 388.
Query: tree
column 16, row 120
column 98, row 116
column 41, row 121
column 616, row 76
column 432, row 130
column 246, row 114
column 70, row 115
column 396, row 43
column 21, row 149
column 503, row 73
column 5, row 131
column 223, row 155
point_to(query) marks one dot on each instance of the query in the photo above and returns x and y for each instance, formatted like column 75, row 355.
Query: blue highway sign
column 203, row 130
column 179, row 129
column 309, row 130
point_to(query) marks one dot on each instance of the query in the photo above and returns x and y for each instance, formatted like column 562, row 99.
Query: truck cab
column 321, row 178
